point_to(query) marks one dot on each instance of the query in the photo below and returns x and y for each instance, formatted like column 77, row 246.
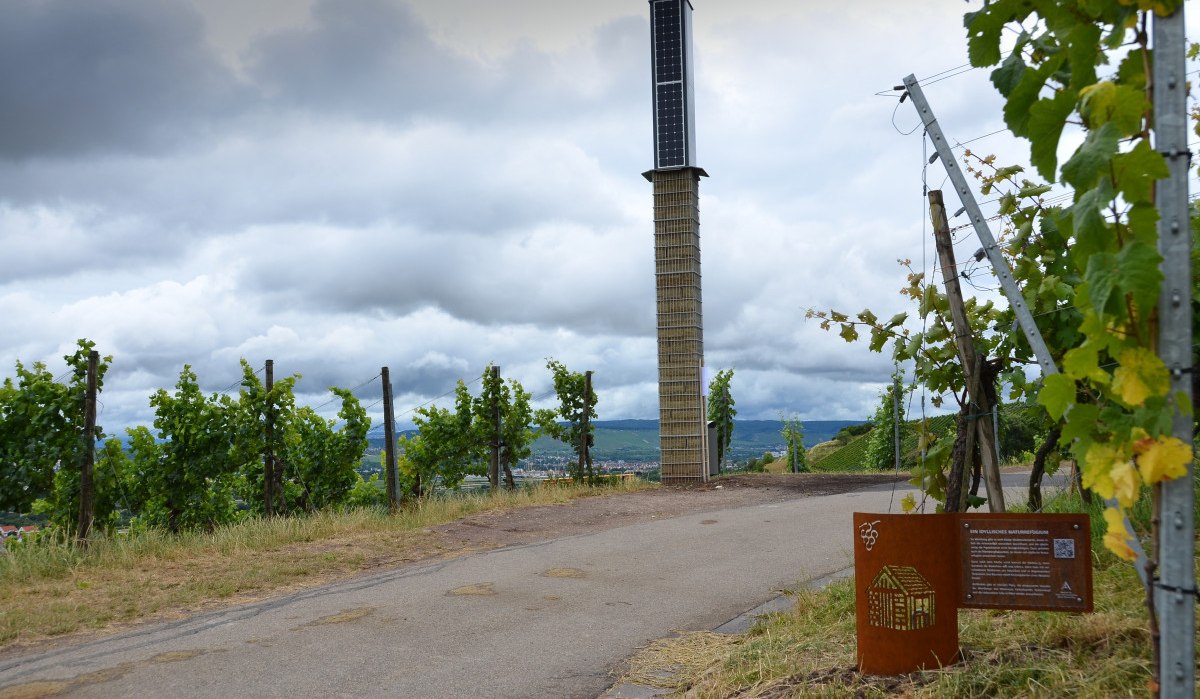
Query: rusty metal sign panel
column 913, row 572
column 1026, row 561
column 906, row 589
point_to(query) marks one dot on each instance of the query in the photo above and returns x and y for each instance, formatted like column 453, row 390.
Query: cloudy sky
column 434, row 185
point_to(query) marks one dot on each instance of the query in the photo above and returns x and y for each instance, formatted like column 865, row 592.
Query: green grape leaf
column 1090, row 227
column 1132, row 69
column 1136, row 171
column 1139, row 273
column 1092, row 158
column 1033, row 190
column 1008, row 204
column 1083, row 47
column 1143, row 221
column 1025, row 93
column 1134, row 270
column 1011, row 70
column 1080, row 423
column 1106, row 102
column 1057, row 394
column 1083, row 362
column 1101, row 276
column 1046, row 120
column 983, row 31
column 879, row 338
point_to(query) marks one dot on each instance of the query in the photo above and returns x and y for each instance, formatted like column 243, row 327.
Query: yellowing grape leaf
column 1098, row 467
column 1164, row 459
column 908, row 503
column 1125, row 483
column 1116, row 536
column 1097, row 99
column 1141, row 374
column 1162, row 8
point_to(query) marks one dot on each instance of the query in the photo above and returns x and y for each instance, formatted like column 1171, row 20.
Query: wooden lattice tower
column 683, row 433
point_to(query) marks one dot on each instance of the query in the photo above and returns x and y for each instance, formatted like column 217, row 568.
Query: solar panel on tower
column 674, row 140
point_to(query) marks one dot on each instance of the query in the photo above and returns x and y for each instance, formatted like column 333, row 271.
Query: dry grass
column 53, row 587
column 809, row 652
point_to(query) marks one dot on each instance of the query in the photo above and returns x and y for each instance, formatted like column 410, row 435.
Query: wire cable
column 444, row 395
column 960, row 144
column 897, row 128
column 336, row 397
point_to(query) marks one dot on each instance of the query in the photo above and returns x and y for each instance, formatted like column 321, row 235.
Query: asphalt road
column 550, row 619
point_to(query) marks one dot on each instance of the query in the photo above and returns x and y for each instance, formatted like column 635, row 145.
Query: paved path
column 541, row 620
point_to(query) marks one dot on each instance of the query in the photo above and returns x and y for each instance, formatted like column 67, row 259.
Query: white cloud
column 432, row 186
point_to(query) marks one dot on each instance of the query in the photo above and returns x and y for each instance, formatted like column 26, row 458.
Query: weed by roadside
column 51, row 586
column 809, row 651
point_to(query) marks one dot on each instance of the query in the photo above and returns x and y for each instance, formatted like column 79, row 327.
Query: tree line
column 209, row 459
column 490, row 433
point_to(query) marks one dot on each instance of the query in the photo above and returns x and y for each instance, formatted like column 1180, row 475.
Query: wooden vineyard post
column 494, row 464
column 87, row 486
column 269, row 457
column 585, row 461
column 391, row 473
column 980, row 405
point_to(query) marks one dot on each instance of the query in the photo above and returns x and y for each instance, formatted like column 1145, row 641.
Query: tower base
column 682, row 412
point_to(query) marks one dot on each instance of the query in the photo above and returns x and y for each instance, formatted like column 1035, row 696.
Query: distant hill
column 637, row 440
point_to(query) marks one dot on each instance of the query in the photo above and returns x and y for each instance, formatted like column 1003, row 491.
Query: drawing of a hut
column 899, row 598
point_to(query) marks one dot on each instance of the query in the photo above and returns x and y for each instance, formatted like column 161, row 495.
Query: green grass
column 848, row 459
column 852, row 457
column 809, row 651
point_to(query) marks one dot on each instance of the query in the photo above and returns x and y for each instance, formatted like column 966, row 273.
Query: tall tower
column 676, row 179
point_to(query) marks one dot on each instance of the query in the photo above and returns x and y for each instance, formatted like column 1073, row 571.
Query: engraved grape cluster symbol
column 868, row 533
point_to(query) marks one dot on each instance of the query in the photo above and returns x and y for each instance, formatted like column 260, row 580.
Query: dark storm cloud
column 105, row 75
column 367, row 57
column 375, row 60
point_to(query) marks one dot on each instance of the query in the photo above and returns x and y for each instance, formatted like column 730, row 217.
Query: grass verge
column 50, row 587
column 810, row 651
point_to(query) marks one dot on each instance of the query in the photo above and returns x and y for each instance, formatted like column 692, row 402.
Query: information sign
column 913, row 573
column 1025, row 561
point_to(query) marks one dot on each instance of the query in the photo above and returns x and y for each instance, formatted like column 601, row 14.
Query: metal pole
column 990, row 248
column 1007, row 284
column 1175, row 596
